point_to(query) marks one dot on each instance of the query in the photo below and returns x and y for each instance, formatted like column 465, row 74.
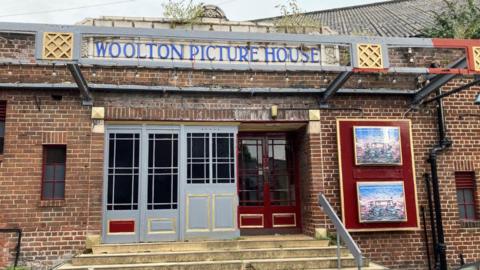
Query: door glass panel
column 282, row 190
column 123, row 171
column 251, row 190
column 251, row 154
column 251, row 186
column 223, row 158
column 162, row 171
column 277, row 155
column 281, row 182
column 198, row 156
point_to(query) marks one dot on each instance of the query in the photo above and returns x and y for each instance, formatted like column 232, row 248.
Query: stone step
column 250, row 243
column 256, row 264
column 372, row 266
column 210, row 255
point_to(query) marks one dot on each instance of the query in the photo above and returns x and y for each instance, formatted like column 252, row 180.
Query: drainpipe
column 443, row 144
column 432, row 218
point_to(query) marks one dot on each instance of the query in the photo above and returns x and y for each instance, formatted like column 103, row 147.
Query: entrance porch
column 191, row 182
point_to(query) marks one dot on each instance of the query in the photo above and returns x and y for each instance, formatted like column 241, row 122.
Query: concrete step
column 250, row 243
column 372, row 266
column 210, row 255
column 255, row 264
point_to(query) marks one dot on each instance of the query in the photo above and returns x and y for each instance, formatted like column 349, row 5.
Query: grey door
column 121, row 186
column 160, row 214
column 169, row 183
column 210, row 191
column 141, row 187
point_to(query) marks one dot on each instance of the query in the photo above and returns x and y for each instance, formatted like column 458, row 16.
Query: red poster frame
column 350, row 174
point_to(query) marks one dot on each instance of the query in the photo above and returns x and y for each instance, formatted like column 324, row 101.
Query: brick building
column 239, row 127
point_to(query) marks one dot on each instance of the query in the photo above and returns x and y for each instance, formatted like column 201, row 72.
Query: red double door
column 267, row 183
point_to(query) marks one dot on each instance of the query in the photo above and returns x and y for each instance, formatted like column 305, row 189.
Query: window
column 53, row 180
column 465, row 183
column 123, row 171
column 210, row 158
column 223, row 159
column 3, row 113
column 198, row 158
column 162, row 171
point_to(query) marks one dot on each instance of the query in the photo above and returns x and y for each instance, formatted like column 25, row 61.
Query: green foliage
column 293, row 19
column 457, row 21
column 182, row 11
column 16, row 268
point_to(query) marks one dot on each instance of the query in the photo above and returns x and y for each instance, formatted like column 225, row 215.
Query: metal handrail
column 19, row 241
column 342, row 232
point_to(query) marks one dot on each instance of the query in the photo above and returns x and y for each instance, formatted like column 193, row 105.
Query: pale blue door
column 210, row 191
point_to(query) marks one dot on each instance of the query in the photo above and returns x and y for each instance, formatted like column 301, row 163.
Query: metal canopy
column 476, row 81
column 335, row 85
column 81, row 83
column 438, row 81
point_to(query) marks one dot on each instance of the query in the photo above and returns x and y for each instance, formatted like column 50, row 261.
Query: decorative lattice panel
column 57, row 46
column 476, row 58
column 369, row 56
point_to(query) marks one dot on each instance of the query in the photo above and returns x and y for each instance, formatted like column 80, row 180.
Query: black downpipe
column 425, row 234
column 432, row 217
column 443, row 144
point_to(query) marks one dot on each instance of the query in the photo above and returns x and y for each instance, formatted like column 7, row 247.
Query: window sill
column 470, row 224
column 52, row 203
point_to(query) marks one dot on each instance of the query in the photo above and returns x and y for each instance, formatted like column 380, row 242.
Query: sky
column 72, row 11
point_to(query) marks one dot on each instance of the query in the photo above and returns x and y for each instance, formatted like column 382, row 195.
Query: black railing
column 19, row 242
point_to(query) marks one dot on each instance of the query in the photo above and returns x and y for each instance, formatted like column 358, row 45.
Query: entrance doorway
column 169, row 183
column 267, row 183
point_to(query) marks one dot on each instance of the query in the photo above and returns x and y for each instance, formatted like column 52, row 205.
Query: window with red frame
column 3, row 114
column 53, row 180
column 465, row 183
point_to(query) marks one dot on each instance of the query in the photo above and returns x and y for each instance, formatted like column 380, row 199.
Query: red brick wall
column 405, row 250
column 4, row 259
column 197, row 78
column 17, row 47
column 53, row 230
column 57, row 230
column 3, row 240
column 401, row 250
column 463, row 124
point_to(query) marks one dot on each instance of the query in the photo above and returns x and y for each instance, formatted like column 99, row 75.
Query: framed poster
column 377, row 193
column 381, row 202
column 377, row 145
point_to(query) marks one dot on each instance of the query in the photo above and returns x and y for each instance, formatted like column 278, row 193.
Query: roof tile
column 398, row 18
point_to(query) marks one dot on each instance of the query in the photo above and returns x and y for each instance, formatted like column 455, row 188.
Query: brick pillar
column 94, row 224
column 311, row 173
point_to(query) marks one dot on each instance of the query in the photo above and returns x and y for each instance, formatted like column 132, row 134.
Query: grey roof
column 397, row 18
